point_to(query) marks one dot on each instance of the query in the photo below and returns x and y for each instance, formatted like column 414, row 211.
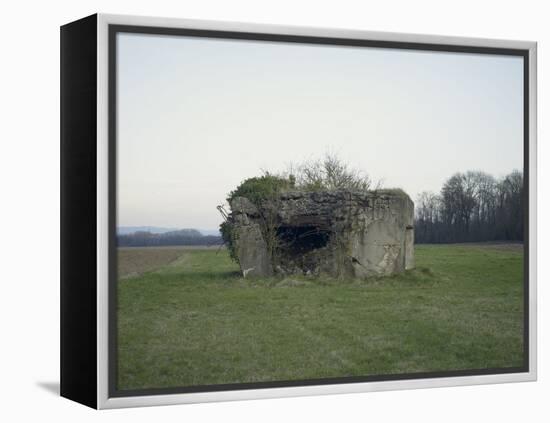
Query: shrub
column 228, row 237
column 261, row 188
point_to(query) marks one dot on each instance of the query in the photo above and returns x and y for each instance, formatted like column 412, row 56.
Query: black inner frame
column 112, row 119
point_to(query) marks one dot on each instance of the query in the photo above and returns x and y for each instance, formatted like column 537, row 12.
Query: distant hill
column 214, row 232
column 175, row 237
column 124, row 230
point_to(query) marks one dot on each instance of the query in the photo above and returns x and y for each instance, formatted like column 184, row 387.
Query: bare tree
column 329, row 173
column 472, row 206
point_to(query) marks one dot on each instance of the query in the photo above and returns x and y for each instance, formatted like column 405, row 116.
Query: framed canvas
column 257, row 211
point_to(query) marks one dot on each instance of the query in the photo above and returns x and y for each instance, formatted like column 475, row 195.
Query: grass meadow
column 186, row 317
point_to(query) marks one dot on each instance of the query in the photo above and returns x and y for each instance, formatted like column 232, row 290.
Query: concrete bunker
column 341, row 233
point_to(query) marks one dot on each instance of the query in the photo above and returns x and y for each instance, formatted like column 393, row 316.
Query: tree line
column 472, row 207
column 181, row 237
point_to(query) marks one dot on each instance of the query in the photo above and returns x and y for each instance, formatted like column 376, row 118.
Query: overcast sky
column 196, row 116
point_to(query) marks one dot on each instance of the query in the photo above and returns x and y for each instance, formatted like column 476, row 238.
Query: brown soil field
column 136, row 261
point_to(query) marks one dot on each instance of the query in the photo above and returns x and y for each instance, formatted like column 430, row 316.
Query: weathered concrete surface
column 250, row 245
column 341, row 233
column 252, row 251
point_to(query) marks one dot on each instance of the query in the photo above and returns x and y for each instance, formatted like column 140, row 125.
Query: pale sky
column 196, row 116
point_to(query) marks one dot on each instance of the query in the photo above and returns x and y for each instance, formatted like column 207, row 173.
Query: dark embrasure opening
column 298, row 240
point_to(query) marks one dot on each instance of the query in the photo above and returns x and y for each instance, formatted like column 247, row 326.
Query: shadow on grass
column 192, row 277
column 213, row 276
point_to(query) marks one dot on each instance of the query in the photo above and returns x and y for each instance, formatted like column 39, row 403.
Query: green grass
column 195, row 321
